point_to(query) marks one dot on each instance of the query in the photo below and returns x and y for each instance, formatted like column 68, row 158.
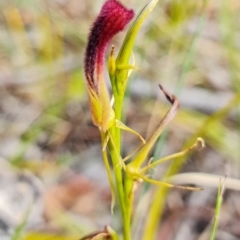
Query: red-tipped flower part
column 111, row 20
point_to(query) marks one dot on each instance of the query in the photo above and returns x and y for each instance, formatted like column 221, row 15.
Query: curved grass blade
column 218, row 208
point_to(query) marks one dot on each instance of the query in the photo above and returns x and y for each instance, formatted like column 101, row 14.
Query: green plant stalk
column 128, row 181
column 119, row 81
column 126, row 212
column 117, row 166
column 118, row 115
column 129, row 195
column 217, row 211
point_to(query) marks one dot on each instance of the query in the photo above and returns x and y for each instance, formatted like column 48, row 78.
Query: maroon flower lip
column 111, row 20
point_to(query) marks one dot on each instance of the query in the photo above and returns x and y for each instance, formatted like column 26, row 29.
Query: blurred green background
column 53, row 183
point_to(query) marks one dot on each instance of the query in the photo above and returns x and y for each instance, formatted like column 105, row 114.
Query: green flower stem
column 117, row 166
column 119, row 80
column 128, row 181
column 129, row 196
column 118, row 116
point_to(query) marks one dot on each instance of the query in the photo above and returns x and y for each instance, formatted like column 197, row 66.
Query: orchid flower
column 111, row 20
